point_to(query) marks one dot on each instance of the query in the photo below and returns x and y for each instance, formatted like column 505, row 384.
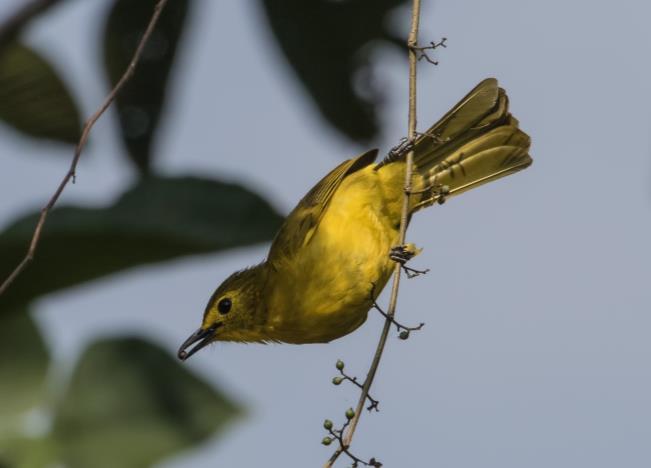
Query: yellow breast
column 325, row 292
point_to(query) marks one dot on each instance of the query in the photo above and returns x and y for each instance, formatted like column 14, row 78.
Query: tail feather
column 487, row 165
column 475, row 142
column 482, row 109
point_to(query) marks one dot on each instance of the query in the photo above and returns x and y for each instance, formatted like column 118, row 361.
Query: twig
column 403, row 330
column 373, row 403
column 12, row 26
column 413, row 272
column 432, row 46
column 412, row 41
column 80, row 146
column 337, row 434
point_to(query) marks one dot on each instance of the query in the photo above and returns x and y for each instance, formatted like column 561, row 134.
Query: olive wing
column 301, row 224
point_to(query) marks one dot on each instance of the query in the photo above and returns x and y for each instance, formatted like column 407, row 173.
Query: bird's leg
column 403, row 331
column 402, row 254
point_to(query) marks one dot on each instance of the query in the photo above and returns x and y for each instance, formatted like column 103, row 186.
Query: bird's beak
column 203, row 336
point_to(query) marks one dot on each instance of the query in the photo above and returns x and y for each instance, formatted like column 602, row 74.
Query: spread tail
column 475, row 142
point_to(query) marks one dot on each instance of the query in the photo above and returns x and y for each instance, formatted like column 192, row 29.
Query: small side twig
column 338, row 435
column 413, row 272
column 80, row 146
column 342, row 377
column 402, row 329
column 422, row 50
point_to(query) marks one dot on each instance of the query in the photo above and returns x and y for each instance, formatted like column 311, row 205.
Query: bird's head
column 233, row 312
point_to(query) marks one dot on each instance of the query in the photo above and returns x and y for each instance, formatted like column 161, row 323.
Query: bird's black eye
column 224, row 306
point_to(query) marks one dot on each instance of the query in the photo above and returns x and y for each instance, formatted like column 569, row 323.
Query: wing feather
column 301, row 224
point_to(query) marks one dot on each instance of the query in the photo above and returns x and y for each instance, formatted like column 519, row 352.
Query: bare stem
column 80, row 146
column 412, row 41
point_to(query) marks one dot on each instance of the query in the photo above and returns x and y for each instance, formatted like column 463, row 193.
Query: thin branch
column 13, row 25
column 80, row 146
column 412, row 42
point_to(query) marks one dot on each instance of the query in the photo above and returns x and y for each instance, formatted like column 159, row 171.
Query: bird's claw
column 403, row 253
column 401, row 148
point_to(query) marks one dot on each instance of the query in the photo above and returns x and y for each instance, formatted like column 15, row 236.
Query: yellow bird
column 330, row 258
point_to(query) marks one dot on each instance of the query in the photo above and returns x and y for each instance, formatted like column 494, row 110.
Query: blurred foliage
column 33, row 99
column 22, row 368
column 14, row 24
column 328, row 44
column 128, row 403
column 140, row 103
column 158, row 219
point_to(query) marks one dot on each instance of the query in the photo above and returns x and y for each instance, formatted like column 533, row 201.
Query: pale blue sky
column 536, row 349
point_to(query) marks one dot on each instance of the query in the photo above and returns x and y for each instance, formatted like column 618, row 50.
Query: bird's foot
column 402, row 148
column 402, row 254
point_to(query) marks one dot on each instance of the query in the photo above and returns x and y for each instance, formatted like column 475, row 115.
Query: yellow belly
column 327, row 292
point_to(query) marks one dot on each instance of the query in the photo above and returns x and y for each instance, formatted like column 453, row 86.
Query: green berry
column 326, row 441
column 350, row 414
column 404, row 335
column 340, row 364
column 337, row 380
column 327, row 424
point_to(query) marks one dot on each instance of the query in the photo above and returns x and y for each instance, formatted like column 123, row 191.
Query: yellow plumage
column 333, row 249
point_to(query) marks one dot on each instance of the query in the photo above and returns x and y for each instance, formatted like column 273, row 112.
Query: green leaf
column 328, row 44
column 159, row 219
column 130, row 404
column 141, row 101
column 33, row 99
column 29, row 452
column 23, row 369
